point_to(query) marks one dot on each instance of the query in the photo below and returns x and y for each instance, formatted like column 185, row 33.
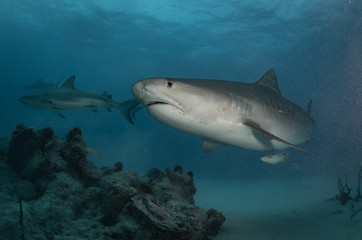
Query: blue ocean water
column 315, row 47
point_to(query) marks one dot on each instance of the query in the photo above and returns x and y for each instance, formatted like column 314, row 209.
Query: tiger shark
column 67, row 97
column 253, row 116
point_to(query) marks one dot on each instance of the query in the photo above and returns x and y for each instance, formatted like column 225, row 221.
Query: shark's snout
column 138, row 90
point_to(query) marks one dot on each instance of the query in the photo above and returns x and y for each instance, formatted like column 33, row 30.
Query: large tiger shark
column 67, row 97
column 254, row 116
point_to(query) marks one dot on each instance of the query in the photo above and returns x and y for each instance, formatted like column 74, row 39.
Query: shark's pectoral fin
column 209, row 145
column 259, row 129
column 58, row 113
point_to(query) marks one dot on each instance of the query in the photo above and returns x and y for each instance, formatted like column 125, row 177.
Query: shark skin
column 67, row 97
column 253, row 116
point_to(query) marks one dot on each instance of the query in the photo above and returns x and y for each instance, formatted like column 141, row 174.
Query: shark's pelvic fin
column 69, row 83
column 256, row 127
column 209, row 145
column 269, row 80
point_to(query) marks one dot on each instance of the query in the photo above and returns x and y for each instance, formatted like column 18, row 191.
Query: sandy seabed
column 280, row 209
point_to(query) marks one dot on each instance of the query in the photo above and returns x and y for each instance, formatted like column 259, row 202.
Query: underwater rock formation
column 62, row 195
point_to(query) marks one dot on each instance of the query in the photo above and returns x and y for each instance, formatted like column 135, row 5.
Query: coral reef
column 62, row 195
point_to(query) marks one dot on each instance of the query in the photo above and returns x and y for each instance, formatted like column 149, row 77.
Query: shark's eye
column 169, row 84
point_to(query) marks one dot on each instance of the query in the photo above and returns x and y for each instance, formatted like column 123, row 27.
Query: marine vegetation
column 345, row 192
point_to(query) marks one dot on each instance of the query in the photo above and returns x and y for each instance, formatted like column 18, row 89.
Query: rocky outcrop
column 65, row 196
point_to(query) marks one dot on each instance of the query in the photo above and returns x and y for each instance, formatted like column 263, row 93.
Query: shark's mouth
column 155, row 103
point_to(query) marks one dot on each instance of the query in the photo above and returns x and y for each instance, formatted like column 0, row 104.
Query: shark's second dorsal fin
column 269, row 80
column 69, row 83
column 106, row 94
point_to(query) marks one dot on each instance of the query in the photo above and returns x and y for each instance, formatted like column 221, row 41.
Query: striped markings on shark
column 67, row 97
column 253, row 116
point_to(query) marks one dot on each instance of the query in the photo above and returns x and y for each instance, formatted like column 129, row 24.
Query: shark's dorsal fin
column 69, row 83
column 309, row 107
column 269, row 80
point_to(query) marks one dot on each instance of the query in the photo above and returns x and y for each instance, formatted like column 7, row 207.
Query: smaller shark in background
column 67, row 97
column 41, row 85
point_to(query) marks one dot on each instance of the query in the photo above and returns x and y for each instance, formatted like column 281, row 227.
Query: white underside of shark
column 252, row 116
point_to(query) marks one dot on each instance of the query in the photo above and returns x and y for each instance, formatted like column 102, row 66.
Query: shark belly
column 223, row 131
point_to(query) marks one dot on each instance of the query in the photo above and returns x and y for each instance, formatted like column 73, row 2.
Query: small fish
column 274, row 158
column 94, row 152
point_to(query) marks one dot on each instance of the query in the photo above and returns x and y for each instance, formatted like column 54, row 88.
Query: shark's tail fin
column 127, row 108
column 309, row 107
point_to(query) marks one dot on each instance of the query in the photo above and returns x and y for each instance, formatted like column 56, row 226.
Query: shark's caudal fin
column 127, row 107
